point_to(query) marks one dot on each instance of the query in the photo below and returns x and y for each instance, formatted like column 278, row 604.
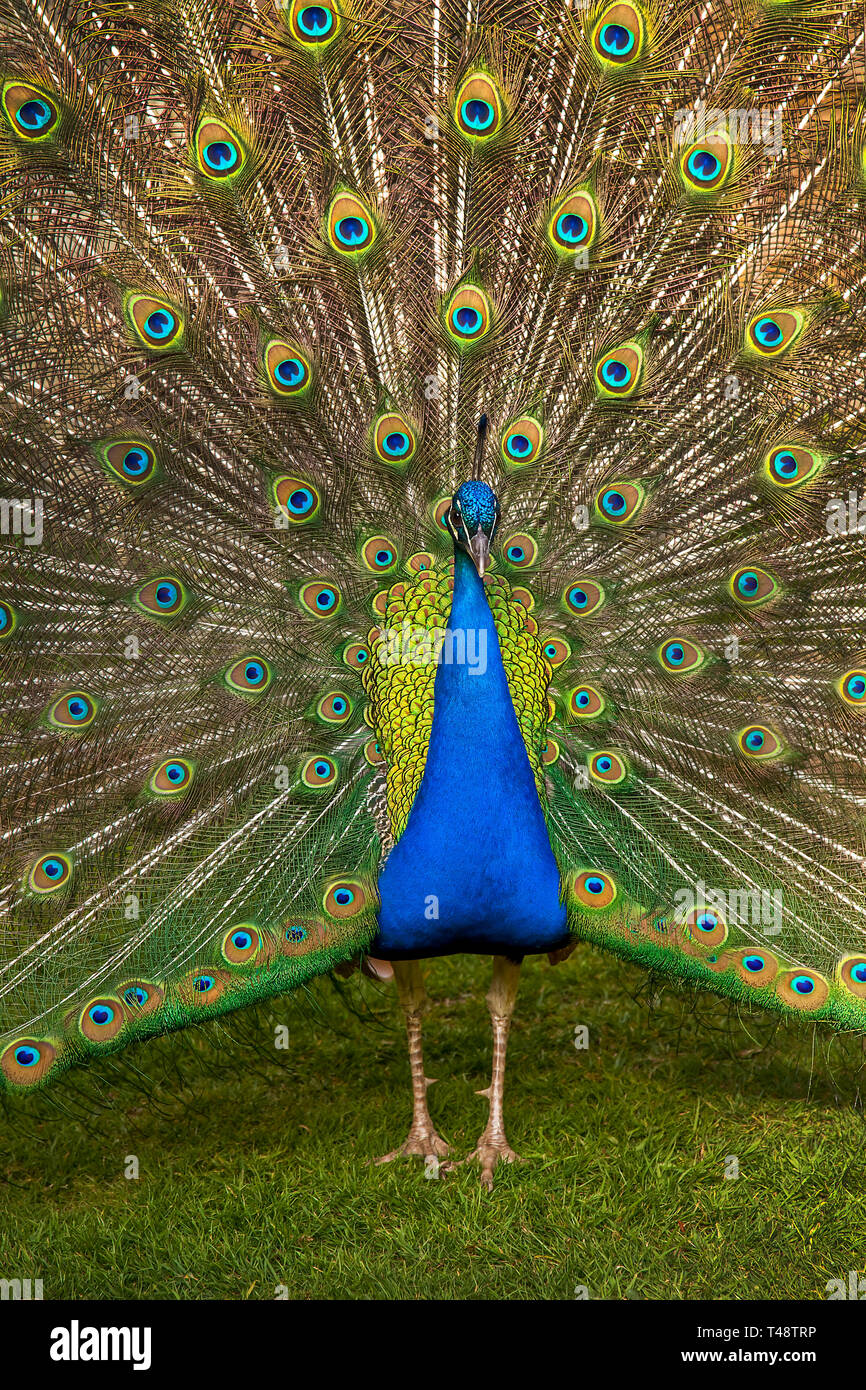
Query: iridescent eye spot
column 753, row 586
column 607, row 767
column 619, row 503
column 851, row 972
column 852, row 688
column 296, row 499
column 8, row 620
column 594, row 889
column 345, row 898
column 31, row 113
column 155, row 322
column 556, row 651
column 468, row 315
column 679, row 656
column 618, row 35
column 50, row 872
column 320, row 598
column 26, row 1061
column 75, row 710
column 754, row 967
column 373, row 753
column 706, row 928
column 141, row 997
column 249, row 675
column 218, row 151
column 420, row 562
column 351, row 229
column 101, row 1020
column 703, row 165
column 790, row 465
column 335, row 707
column 241, row 944
column 520, row 551
column 161, row 598
column 171, row 777
column 802, row 989
column 772, row 333
column 706, row 165
column 522, row 441
column 130, row 460
column 586, row 702
column 759, row 742
column 618, row 373
column 379, row 554
column 287, row 369
column 478, row 108
column 583, row 597
column 319, row 773
column 314, row 26
column 356, row 655
column 550, row 752
column 394, row 439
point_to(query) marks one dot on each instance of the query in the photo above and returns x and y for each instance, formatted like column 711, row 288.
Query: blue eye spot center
column 351, row 230
column 52, row 868
column 755, row 739
column 572, row 227
column 604, row 764
column 857, row 687
column 323, row 769
column 34, row 114
column 136, row 995
column 594, row 885
column 344, row 896
column 296, row 934
column 175, row 772
column 518, row 445
column 768, row 332
column 135, row 461
column 397, row 443
column 203, row 983
column 77, row 709
column 748, row 583
column 615, row 373
column 617, row 40
column 339, row 706
column 101, row 1014
column 858, row 973
column 755, row 964
column 786, row 463
column 675, row 654
column 467, row 319
column 477, row 113
column 289, row 371
column 254, row 671
column 516, row 552
column 579, row 598
column 26, row 1056
column 707, row 921
column 220, row 155
column 325, row 599
column 241, row 940
column 160, row 323
column 703, row 164
column 803, row 984
column 583, row 699
column 315, row 21
column 614, row 503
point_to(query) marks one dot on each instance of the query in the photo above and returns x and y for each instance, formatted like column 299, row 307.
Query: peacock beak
column 479, row 549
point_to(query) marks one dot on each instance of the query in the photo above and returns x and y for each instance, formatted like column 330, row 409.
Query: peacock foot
column 492, row 1148
column 422, row 1140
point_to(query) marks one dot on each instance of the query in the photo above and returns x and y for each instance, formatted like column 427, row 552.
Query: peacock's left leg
column 493, row 1145
column 422, row 1138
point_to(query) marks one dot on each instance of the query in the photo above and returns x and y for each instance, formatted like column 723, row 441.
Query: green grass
column 253, row 1172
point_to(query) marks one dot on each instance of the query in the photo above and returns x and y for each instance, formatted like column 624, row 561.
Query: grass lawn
column 253, row 1173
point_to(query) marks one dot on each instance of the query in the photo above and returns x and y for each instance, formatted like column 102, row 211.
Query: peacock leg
column 493, row 1145
column 422, row 1138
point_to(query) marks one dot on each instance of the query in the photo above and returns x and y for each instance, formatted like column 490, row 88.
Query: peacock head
column 472, row 518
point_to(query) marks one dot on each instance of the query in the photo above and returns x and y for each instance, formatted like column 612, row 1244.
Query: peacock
column 433, row 487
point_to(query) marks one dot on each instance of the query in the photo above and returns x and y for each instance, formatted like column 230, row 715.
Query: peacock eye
column 757, row 741
column 155, row 322
column 753, row 586
column 619, row 34
column 313, row 26
column 619, row 373
column 478, row 108
column 351, row 227
column 31, row 113
column 772, row 333
column 468, row 316
column 583, row 597
column 218, row 151
column 171, row 777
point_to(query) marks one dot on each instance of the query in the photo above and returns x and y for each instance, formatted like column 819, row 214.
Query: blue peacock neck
column 474, row 870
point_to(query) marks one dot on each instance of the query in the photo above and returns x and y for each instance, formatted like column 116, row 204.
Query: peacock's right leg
column 422, row 1138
